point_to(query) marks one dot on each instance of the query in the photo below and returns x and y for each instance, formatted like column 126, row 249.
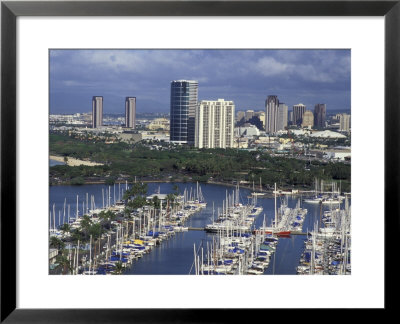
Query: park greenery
column 123, row 161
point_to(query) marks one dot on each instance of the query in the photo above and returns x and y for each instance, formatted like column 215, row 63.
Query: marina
column 171, row 240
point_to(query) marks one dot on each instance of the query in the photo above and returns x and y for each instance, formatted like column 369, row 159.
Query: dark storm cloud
column 245, row 76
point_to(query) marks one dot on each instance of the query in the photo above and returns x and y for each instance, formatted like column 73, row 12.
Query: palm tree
column 118, row 268
column 86, row 223
column 156, row 202
column 63, row 262
column 127, row 212
column 66, row 228
column 55, row 242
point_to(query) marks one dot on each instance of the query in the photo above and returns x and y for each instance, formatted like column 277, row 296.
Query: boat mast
column 275, row 207
column 77, row 207
column 54, row 218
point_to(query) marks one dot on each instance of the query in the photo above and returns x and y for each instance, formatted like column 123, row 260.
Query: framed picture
column 36, row 29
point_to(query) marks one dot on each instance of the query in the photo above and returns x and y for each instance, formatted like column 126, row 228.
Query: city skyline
column 246, row 77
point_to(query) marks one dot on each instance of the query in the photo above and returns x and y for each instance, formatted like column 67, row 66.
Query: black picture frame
column 10, row 10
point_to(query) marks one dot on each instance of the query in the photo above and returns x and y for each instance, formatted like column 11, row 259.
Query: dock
column 196, row 228
column 203, row 229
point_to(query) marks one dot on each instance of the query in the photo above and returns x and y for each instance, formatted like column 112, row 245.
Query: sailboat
column 255, row 193
column 275, row 229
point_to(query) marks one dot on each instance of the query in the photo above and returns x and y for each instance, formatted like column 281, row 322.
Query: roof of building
column 327, row 134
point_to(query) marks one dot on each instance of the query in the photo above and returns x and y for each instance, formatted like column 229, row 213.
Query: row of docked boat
column 234, row 216
column 236, row 249
column 234, row 253
column 286, row 219
column 333, row 197
column 159, row 227
column 128, row 238
column 328, row 247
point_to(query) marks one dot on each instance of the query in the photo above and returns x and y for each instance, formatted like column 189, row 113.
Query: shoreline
column 72, row 161
column 265, row 192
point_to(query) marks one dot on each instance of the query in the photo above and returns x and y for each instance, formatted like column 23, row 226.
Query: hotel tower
column 184, row 95
column 130, row 112
column 97, row 111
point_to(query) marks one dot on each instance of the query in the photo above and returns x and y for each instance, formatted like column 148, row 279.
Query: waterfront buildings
column 298, row 111
column 271, row 114
column 97, row 111
column 282, row 117
column 130, row 112
column 71, row 119
column 319, row 115
column 215, row 124
column 184, row 94
column 308, row 119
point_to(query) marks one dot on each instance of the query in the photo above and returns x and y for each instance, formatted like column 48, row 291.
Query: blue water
column 54, row 162
column 175, row 256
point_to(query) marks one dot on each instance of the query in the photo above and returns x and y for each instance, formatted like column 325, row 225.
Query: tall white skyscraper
column 130, row 112
column 215, row 124
column 282, row 121
column 344, row 120
column 271, row 114
column 97, row 111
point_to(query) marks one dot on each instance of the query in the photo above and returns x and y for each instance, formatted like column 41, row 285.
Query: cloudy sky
column 245, row 76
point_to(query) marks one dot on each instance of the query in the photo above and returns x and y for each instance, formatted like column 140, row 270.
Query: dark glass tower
column 319, row 115
column 184, row 95
column 298, row 112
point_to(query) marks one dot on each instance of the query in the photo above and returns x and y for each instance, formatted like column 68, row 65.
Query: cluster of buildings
column 204, row 124
column 277, row 117
column 211, row 123
column 78, row 119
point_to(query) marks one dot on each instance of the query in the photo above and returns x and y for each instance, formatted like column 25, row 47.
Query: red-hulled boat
column 272, row 231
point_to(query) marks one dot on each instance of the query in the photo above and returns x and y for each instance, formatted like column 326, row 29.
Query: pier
column 203, row 229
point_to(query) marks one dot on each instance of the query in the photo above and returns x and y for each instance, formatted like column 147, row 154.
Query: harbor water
column 54, row 162
column 175, row 255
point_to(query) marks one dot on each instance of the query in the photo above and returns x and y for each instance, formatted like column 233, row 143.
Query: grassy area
column 127, row 161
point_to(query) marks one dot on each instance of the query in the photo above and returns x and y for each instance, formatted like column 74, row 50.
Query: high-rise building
column 291, row 117
column 130, row 112
column 319, row 115
column 298, row 111
column 97, row 111
column 261, row 117
column 184, row 95
column 271, row 114
column 308, row 119
column 344, row 120
column 215, row 124
column 249, row 114
column 282, row 121
column 240, row 115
